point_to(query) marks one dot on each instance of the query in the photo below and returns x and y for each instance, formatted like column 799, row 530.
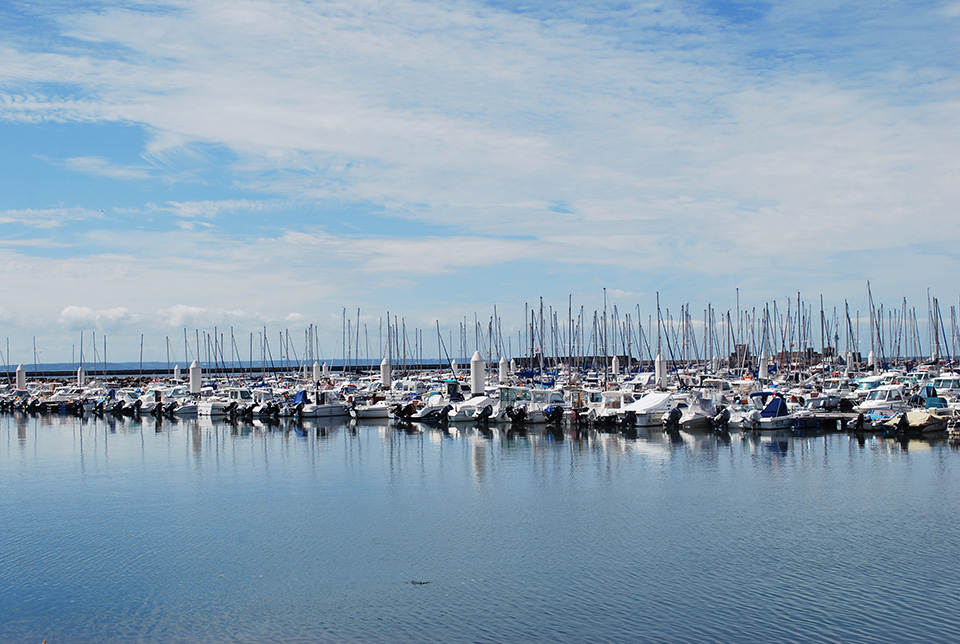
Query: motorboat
column 947, row 385
column 322, row 403
column 523, row 405
column 612, row 408
column 232, row 401
column 865, row 385
column 884, row 398
column 371, row 409
column 479, row 409
column 767, row 411
column 698, row 416
column 917, row 423
column 650, row 409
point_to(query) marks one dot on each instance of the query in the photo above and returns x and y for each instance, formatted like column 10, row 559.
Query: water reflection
column 22, row 431
column 204, row 529
column 488, row 449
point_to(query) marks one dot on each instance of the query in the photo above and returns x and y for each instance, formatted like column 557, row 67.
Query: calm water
column 194, row 531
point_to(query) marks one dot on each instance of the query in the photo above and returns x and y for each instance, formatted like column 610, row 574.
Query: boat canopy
column 775, row 408
column 301, row 397
column 650, row 401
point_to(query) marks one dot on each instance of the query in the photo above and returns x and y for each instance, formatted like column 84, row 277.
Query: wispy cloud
column 104, row 168
column 47, row 217
column 627, row 141
column 213, row 209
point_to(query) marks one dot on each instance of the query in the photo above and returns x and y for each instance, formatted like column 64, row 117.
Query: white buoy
column 21, row 377
column 477, row 367
column 615, row 365
column 176, row 372
column 195, row 375
column 502, row 374
column 316, row 371
column 385, row 374
column 80, row 377
column 326, row 370
column 513, row 366
column 660, row 370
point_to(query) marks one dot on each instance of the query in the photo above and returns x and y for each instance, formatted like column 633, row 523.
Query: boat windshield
column 509, row 395
column 884, row 394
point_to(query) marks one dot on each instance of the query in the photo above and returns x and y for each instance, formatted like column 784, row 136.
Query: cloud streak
column 409, row 145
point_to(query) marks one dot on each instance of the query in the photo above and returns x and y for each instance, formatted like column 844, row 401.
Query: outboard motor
column 858, row 424
column 671, row 423
column 903, row 426
column 485, row 413
column 721, row 422
column 554, row 414
column 444, row 414
column 517, row 415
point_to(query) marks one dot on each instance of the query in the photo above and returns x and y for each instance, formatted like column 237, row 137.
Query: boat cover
column 775, row 408
column 301, row 397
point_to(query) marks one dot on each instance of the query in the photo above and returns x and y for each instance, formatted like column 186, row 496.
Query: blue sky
column 248, row 163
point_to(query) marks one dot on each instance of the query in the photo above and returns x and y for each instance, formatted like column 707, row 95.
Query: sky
column 244, row 164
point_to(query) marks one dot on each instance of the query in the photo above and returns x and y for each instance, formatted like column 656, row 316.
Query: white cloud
column 181, row 315
column 46, row 217
column 103, row 167
column 626, row 143
column 76, row 316
column 213, row 209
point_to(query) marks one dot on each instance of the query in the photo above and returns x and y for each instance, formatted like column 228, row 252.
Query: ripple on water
column 220, row 534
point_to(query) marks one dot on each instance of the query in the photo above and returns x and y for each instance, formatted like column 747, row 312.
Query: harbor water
column 200, row 531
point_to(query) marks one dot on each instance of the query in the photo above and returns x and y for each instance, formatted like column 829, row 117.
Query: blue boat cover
column 775, row 408
column 301, row 397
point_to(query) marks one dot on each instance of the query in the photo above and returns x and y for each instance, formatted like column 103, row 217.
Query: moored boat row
column 693, row 400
